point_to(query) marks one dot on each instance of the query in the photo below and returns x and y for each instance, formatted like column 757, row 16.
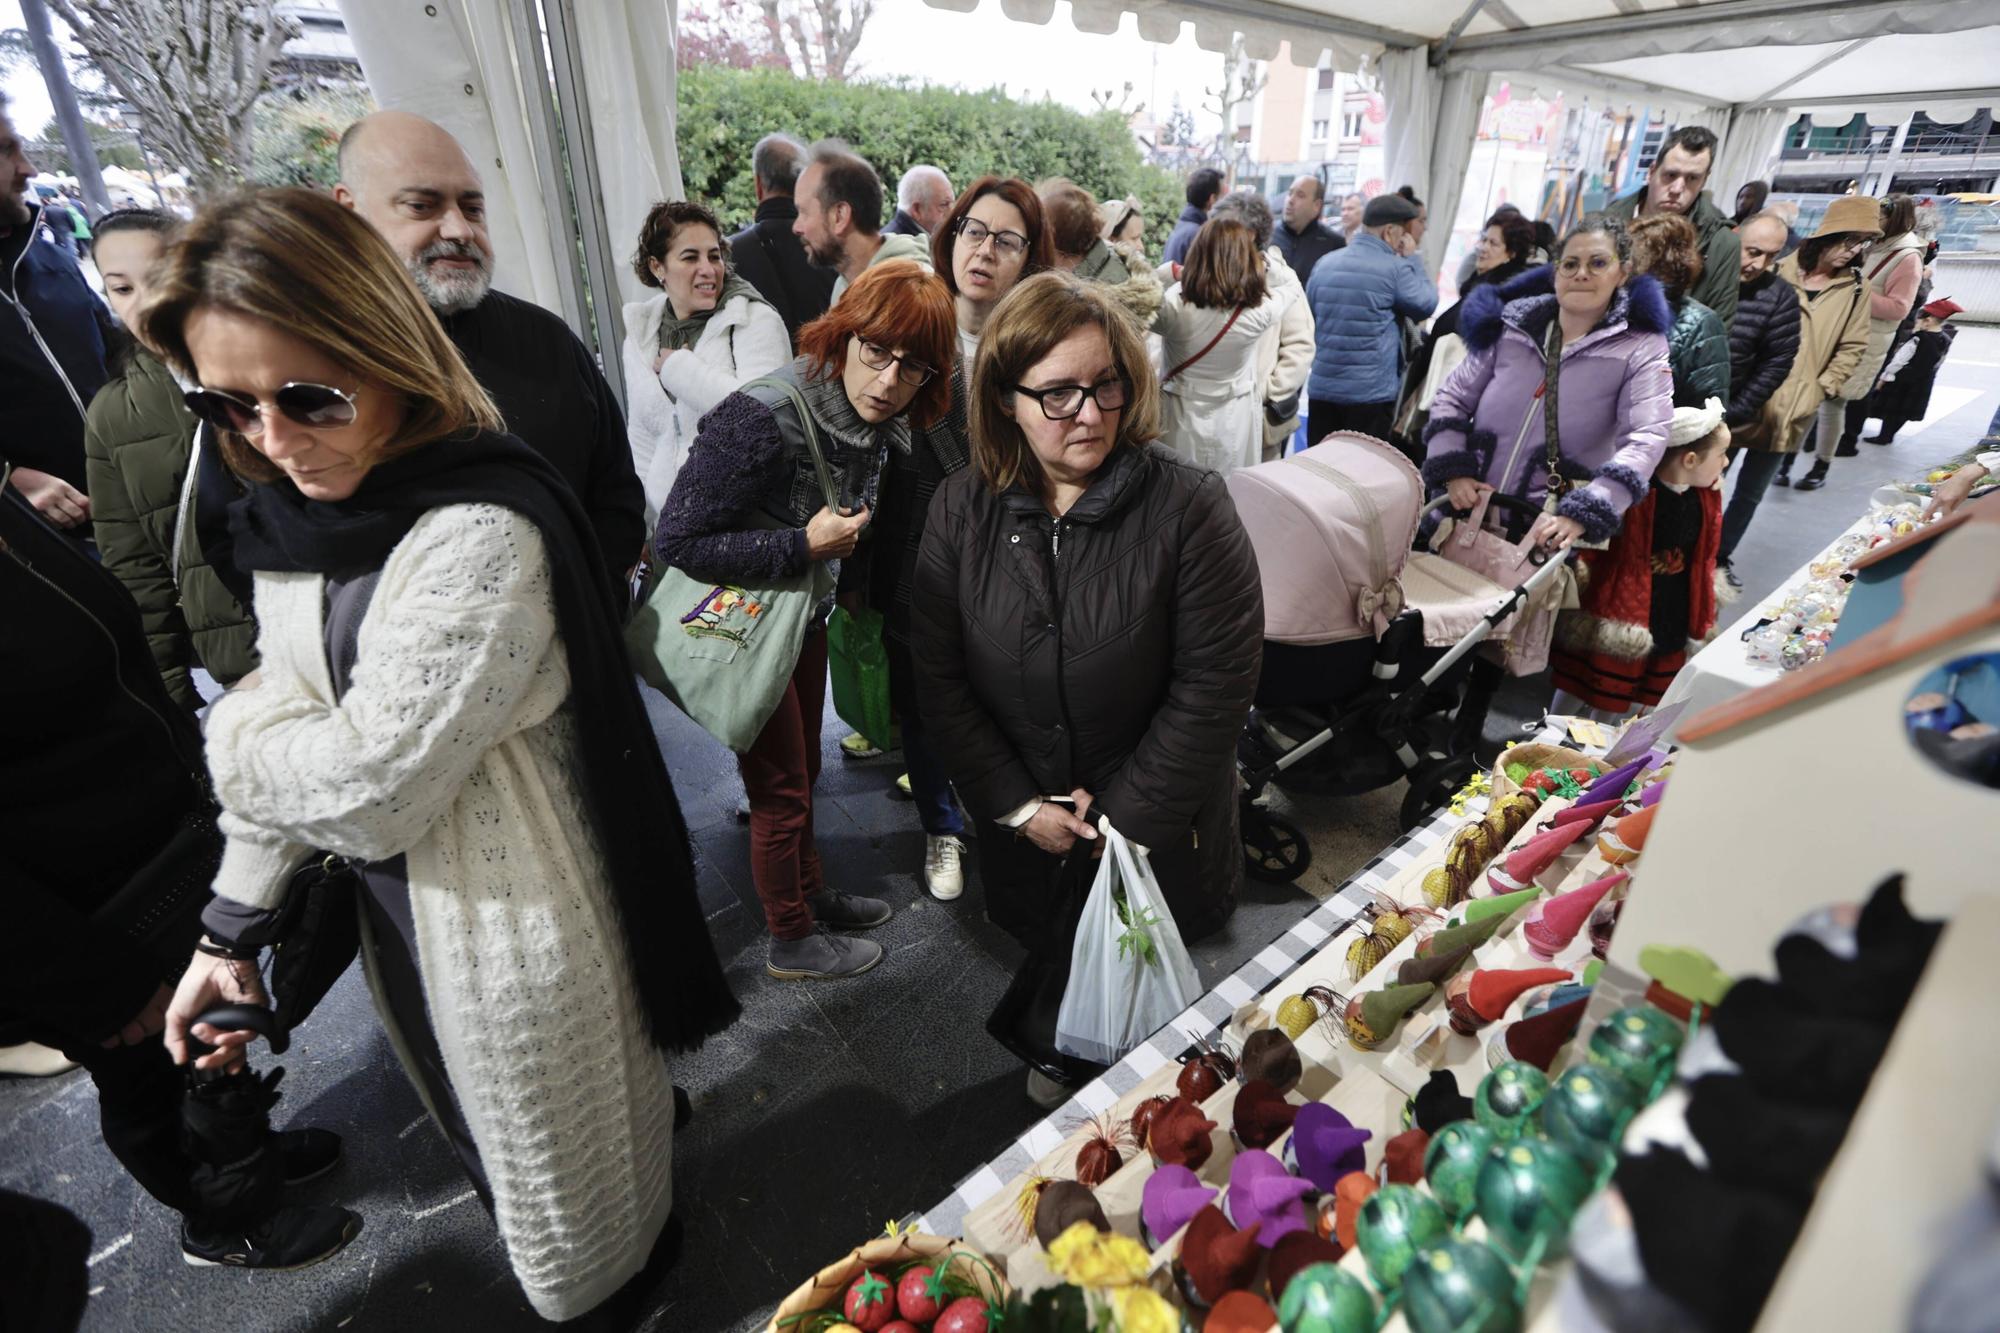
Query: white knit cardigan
column 452, row 746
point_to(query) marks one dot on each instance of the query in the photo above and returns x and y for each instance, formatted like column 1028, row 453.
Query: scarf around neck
column 628, row 795
column 678, row 334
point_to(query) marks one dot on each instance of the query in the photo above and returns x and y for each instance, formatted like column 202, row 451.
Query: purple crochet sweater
column 1615, row 400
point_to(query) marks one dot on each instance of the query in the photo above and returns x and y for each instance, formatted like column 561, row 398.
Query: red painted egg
column 967, row 1314
column 913, row 1297
column 871, row 1302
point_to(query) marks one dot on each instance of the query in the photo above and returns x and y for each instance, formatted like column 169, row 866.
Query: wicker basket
column 1536, row 755
column 829, row 1286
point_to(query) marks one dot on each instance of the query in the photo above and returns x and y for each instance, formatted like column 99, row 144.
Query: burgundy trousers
column 778, row 775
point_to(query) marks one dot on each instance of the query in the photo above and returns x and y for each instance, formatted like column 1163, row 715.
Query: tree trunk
column 76, row 134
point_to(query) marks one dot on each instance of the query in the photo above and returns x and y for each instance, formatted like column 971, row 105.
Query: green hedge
column 723, row 112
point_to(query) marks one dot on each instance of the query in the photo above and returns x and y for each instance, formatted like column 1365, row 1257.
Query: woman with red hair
column 748, row 507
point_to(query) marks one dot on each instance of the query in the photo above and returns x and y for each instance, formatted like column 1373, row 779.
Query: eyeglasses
column 1060, row 402
column 1569, row 268
column 913, row 373
column 318, row 406
column 974, row 233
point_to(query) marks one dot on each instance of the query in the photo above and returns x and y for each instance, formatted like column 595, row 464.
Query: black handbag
column 1279, row 411
column 159, row 908
column 1024, row 1021
column 316, row 936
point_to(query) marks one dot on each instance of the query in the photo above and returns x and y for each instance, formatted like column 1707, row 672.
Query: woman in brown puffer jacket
column 1087, row 624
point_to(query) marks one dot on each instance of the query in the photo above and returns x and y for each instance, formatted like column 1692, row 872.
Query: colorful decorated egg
column 1460, row 1286
column 1396, row 1222
column 1586, row 1109
column 1639, row 1043
column 1509, row 1097
column 1295, row 1015
column 1322, row 1298
column 1529, row 1190
column 1452, row 1162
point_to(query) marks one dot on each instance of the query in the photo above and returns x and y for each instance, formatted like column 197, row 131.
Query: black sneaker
column 847, row 911
column 293, row 1237
column 1729, row 576
column 308, row 1154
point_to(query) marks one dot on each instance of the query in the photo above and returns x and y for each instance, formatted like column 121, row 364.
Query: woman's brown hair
column 1028, row 324
column 1223, row 269
column 1899, row 215
column 899, row 306
column 1072, row 215
column 313, row 269
column 1665, row 245
column 1016, row 192
column 656, row 235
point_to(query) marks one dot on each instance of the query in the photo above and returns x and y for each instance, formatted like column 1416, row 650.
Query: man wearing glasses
column 839, row 199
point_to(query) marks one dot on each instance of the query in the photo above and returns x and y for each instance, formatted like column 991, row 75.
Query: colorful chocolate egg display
column 1529, row 1191
column 1640, row 1043
column 1204, row 1073
column 1586, row 1109
column 1372, row 1018
column 1460, row 1286
column 1143, row 1116
column 1322, row 1298
column 1509, row 1098
column 1394, row 1224
column 1452, row 1162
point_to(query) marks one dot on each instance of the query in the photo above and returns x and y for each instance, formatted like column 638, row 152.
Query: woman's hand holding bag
column 1130, row 974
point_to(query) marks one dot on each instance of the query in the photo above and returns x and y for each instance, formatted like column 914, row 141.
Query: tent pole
column 550, row 178
column 587, row 192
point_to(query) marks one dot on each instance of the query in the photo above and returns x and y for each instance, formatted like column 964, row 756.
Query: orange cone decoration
column 1622, row 842
column 1485, row 996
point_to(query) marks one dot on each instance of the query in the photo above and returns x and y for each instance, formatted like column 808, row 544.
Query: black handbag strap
column 798, row 401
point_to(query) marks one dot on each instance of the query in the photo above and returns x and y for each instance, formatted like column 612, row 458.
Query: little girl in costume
column 1652, row 592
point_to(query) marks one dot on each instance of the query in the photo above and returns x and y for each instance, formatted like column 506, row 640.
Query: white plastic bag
column 1129, row 973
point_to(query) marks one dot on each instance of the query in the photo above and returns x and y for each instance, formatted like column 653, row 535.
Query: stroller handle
column 1494, row 500
column 245, row 1018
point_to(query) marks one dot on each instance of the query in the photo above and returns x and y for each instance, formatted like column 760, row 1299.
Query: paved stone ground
column 825, row 1112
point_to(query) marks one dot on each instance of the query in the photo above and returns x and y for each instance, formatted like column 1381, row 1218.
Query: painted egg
column 1395, row 1223
column 1639, row 1043
column 1452, row 1162
column 1509, row 1097
column 1528, row 1192
column 1295, row 1015
column 1323, row 1298
column 1587, row 1109
column 1460, row 1286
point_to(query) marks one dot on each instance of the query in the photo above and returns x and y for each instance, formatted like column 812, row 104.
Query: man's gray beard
column 450, row 293
column 13, row 210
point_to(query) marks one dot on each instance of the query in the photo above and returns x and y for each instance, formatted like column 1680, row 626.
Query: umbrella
column 238, row 1175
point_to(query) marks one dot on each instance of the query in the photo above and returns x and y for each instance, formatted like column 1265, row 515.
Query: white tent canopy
column 1747, row 68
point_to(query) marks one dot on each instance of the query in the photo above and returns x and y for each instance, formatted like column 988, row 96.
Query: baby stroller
column 1369, row 672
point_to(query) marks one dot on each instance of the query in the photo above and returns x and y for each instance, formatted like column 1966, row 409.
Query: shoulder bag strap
column 1220, row 335
column 798, row 401
column 1551, row 436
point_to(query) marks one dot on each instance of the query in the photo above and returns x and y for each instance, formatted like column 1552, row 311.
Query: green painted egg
column 1460, row 1286
column 1323, row 1298
column 1396, row 1222
column 1586, row 1109
column 1527, row 1189
column 1639, row 1043
column 1509, row 1097
column 1452, row 1162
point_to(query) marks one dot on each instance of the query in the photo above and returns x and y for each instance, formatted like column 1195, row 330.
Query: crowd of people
column 308, row 453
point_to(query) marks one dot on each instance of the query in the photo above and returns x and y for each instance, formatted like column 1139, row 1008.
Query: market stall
column 1521, row 1070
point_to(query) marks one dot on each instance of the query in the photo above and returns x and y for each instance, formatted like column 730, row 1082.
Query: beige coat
column 1285, row 352
column 1833, row 337
column 1877, row 267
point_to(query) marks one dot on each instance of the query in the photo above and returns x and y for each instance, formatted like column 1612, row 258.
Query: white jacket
column 453, row 747
column 1285, row 352
column 1213, row 412
column 744, row 339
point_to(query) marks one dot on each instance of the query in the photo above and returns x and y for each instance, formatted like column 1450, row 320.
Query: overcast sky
column 909, row 38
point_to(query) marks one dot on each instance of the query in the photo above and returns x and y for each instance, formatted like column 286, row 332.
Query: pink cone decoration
column 1561, row 917
column 1533, row 857
column 1591, row 813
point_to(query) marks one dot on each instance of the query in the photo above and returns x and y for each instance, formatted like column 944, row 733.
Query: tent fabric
column 1747, row 149
column 1428, row 136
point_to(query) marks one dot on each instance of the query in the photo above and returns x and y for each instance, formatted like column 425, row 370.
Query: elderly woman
column 444, row 699
column 1211, row 327
column 1503, row 252
column 1665, row 246
column 748, row 507
column 1087, row 628
column 692, row 344
column 1595, row 349
column 1123, row 227
column 1075, row 221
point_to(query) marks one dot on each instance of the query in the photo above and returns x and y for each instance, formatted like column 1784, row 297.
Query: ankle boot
column 1814, row 479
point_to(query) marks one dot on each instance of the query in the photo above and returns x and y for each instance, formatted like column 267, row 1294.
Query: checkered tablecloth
column 1208, row 1016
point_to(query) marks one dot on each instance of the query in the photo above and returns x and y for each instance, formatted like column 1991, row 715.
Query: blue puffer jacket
column 51, row 354
column 1357, row 295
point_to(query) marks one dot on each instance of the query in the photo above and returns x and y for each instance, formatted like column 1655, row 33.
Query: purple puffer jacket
column 1616, row 400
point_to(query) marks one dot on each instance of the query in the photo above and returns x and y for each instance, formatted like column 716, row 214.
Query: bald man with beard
column 415, row 185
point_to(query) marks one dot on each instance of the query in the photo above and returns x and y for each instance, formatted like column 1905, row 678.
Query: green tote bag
column 724, row 652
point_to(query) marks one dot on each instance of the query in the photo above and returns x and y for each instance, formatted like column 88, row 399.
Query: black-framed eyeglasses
column 316, row 406
column 1060, row 402
column 913, row 373
column 974, row 233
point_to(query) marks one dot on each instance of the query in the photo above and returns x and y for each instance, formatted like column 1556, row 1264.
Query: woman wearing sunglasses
column 1087, row 633
column 443, row 698
column 748, row 507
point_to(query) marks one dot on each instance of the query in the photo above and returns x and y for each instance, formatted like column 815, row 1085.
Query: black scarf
column 635, row 813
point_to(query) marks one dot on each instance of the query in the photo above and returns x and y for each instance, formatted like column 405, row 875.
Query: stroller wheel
column 1275, row 849
column 1433, row 785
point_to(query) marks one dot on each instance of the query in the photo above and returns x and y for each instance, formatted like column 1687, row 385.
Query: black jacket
column 904, row 225
column 1115, row 649
column 774, row 261
column 52, row 341
column 1763, row 341
column 554, row 399
column 98, row 770
column 1304, row 249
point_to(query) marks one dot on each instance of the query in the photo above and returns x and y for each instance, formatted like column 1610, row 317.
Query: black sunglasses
column 1062, row 401
column 317, row 406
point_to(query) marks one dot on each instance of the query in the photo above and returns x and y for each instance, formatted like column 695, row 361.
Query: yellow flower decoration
column 1143, row 1310
column 1479, row 784
column 1090, row 1258
column 894, row 1231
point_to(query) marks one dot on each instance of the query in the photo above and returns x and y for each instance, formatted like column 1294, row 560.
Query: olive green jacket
column 138, row 444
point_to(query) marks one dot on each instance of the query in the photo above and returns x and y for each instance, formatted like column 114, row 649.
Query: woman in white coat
column 443, row 699
column 1210, row 327
column 1285, row 352
column 706, row 334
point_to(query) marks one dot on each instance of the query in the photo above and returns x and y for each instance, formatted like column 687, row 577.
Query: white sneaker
column 944, row 866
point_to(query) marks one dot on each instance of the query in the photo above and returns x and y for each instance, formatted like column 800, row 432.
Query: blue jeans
column 930, row 785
